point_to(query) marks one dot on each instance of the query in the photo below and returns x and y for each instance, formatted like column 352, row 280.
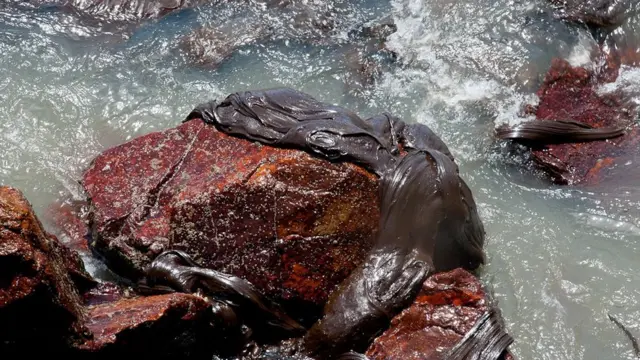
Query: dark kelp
column 486, row 340
column 634, row 342
column 177, row 270
column 429, row 220
column 543, row 132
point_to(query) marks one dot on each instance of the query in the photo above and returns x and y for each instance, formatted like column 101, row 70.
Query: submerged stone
column 292, row 224
column 597, row 13
column 578, row 95
column 122, row 10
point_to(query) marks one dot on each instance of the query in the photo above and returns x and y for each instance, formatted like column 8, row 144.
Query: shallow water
column 560, row 259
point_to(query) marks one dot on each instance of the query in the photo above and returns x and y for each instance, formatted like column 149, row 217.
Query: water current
column 560, row 258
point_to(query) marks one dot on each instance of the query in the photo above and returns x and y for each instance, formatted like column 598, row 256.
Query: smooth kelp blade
column 557, row 132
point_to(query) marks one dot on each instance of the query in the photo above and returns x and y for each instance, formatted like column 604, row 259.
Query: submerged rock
column 39, row 302
column 598, row 13
column 209, row 47
column 122, row 10
column 447, row 308
column 292, row 224
column 577, row 94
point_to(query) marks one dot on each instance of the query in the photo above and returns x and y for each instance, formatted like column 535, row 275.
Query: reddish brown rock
column 39, row 302
column 446, row 308
column 69, row 220
column 160, row 327
column 572, row 93
column 292, row 224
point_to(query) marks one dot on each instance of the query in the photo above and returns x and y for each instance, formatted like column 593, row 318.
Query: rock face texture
column 39, row 302
column 48, row 301
column 293, row 225
column 577, row 94
column 161, row 326
column 446, row 309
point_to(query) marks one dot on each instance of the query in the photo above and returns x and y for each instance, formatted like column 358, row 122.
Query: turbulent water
column 560, row 259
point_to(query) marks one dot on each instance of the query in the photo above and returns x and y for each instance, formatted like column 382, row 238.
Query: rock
column 366, row 54
column 447, row 308
column 68, row 218
column 573, row 93
column 292, row 224
column 39, row 302
column 209, row 47
column 597, row 13
column 122, row 10
column 160, row 327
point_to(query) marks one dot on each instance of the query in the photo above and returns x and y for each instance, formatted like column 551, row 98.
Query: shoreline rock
column 48, row 301
column 39, row 302
column 446, row 309
column 293, row 225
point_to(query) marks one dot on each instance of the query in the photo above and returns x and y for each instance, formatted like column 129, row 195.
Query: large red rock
column 447, row 307
column 160, row 327
column 573, row 93
column 292, row 224
column 39, row 302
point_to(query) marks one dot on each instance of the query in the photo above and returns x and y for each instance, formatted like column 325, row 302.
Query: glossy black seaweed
column 429, row 221
column 557, row 132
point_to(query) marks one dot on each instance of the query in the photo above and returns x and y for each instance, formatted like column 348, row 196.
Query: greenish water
column 560, row 258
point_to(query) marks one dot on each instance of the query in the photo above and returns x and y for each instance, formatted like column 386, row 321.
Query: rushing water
column 561, row 258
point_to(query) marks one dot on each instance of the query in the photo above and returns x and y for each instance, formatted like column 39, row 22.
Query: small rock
column 574, row 93
column 160, row 327
column 446, row 308
column 209, row 47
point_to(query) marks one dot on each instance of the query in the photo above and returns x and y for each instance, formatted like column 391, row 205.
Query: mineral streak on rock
column 293, row 225
column 39, row 302
column 447, row 308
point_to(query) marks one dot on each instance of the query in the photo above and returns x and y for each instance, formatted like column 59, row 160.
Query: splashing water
column 560, row 259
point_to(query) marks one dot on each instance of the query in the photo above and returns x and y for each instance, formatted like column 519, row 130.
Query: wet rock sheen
column 39, row 302
column 293, row 225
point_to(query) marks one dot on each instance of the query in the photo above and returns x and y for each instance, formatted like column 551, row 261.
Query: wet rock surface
column 121, row 10
column 47, row 299
column 160, row 326
column 598, row 13
column 209, row 47
column 293, row 225
column 446, row 309
column 39, row 302
column 579, row 94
